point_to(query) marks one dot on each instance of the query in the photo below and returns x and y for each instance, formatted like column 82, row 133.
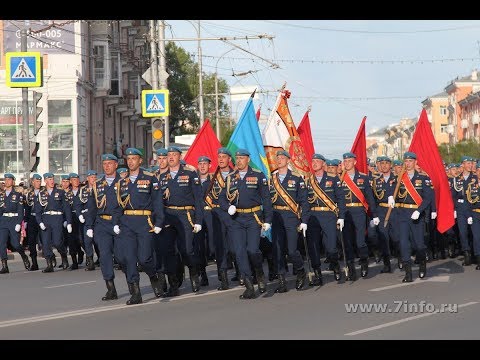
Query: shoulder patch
column 189, row 167
column 256, row 170
column 148, row 173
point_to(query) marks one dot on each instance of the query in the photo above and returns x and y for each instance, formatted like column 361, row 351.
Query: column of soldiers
column 175, row 216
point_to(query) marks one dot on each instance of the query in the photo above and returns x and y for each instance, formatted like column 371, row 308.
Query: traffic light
column 37, row 110
column 157, row 134
column 34, row 153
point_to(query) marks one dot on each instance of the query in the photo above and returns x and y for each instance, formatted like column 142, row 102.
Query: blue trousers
column 285, row 240
column 178, row 220
column 7, row 230
column 476, row 233
column 53, row 235
column 107, row 242
column 411, row 231
column 33, row 233
column 322, row 228
column 354, row 232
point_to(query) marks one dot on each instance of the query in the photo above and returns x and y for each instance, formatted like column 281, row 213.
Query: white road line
column 415, row 317
column 442, row 278
column 72, row 284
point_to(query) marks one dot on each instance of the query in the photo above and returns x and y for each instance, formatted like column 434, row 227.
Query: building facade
column 436, row 108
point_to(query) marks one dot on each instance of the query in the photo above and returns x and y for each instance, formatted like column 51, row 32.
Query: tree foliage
column 453, row 153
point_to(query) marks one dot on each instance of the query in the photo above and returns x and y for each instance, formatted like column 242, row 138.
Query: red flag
column 305, row 133
column 205, row 144
column 425, row 147
column 359, row 148
column 258, row 112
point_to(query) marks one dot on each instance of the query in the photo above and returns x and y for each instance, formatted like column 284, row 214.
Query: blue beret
column 337, row 161
column 73, row 175
column 91, row 172
column 155, row 167
column 48, row 175
column 349, row 155
column 242, row 152
column 37, row 177
column 331, row 162
column 174, row 149
column 452, row 165
column 318, row 156
column 65, row 177
column 409, row 155
column 9, row 176
column 183, row 162
column 162, row 152
column 109, row 157
column 223, row 150
column 122, row 170
column 467, row 158
column 397, row 163
column 204, row 158
column 284, row 153
column 133, row 151
column 384, row 158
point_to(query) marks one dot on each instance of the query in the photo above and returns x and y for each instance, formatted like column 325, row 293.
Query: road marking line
column 396, row 322
column 442, row 278
column 72, row 284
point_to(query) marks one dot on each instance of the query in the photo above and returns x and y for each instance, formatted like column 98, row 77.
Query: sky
column 343, row 69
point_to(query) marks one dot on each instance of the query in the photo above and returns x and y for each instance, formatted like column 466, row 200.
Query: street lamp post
column 217, row 118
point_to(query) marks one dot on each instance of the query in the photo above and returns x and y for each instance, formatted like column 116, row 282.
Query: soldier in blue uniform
column 11, row 217
column 122, row 172
column 246, row 198
column 291, row 212
column 140, row 196
column 450, row 236
column 414, row 197
column 75, row 238
column 473, row 199
column 50, row 209
column 102, row 221
column 182, row 198
column 67, row 237
column 31, row 225
column 359, row 200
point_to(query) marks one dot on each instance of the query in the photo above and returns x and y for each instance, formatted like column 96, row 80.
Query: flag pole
column 397, row 188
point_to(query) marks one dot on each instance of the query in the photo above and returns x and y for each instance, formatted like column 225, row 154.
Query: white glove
column 42, row 226
column 391, row 202
column 90, row 233
column 64, row 224
column 116, row 229
column 455, row 214
column 434, row 215
column 267, row 226
column 302, row 227
column 341, row 224
column 470, row 221
column 69, row 228
column 157, row 230
column 17, row 227
column 197, row 228
column 232, row 209
column 371, row 223
column 81, row 219
column 376, row 221
column 415, row 215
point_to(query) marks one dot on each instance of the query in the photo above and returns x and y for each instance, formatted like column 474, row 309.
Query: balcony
column 464, row 124
column 475, row 119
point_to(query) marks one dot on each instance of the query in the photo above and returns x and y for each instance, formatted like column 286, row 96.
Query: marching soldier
column 11, row 212
column 140, row 196
column 359, row 200
column 67, row 237
column 244, row 196
column 450, row 236
column 75, row 237
column 31, row 225
column 414, row 197
column 50, row 209
column 103, row 216
column 472, row 194
column 290, row 215
column 397, row 167
column 122, row 172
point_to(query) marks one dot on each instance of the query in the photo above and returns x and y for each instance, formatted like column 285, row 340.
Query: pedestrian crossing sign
column 155, row 103
column 23, row 69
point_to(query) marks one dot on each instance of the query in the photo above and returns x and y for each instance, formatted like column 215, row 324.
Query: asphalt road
column 67, row 305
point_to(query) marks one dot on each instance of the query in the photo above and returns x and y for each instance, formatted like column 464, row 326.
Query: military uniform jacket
column 472, row 195
column 69, row 195
column 383, row 189
column 422, row 184
column 30, row 199
column 460, row 186
column 294, row 185
column 13, row 203
column 218, row 184
column 183, row 190
column 332, row 188
column 102, row 200
column 142, row 194
column 56, row 201
column 80, row 200
column 205, row 184
column 249, row 192
column 363, row 183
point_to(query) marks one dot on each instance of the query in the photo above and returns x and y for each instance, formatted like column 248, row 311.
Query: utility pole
column 25, row 139
column 153, row 75
column 200, row 80
column 163, row 75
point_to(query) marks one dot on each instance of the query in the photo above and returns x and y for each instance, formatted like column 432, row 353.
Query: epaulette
column 58, row 186
column 189, row 167
column 362, row 173
column 377, row 175
column 148, row 173
column 230, row 173
column 256, row 170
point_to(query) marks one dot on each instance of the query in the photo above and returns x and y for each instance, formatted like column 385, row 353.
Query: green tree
column 453, row 153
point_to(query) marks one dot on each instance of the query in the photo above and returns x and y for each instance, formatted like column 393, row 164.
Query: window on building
column 443, row 129
column 99, row 65
column 60, row 136
column 443, row 110
column 115, row 81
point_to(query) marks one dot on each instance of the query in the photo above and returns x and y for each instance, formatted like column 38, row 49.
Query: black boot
column 90, row 264
column 249, row 293
column 387, row 267
column 26, row 261
column 271, row 270
column 399, row 262
column 364, row 267
column 74, row 263
column 194, row 279
column 157, row 286
column 49, row 267
column 111, row 291
column 352, row 272
column 262, row 285
column 422, row 269
column 237, row 273
column 130, row 288
column 282, row 284
column 80, row 257
column 136, row 297
column 318, row 281
column 336, row 271
column 174, row 285
column 64, row 265
column 451, row 250
column 203, row 276
column 301, row 279
column 54, row 261
column 223, row 280
column 163, row 281
column 467, row 258
column 4, row 269
column 478, row 263
column 408, row 272
column 34, row 265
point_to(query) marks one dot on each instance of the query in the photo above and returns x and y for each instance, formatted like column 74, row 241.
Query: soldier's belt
column 106, row 217
column 207, row 207
column 10, row 214
column 383, row 205
column 354, row 204
column 408, row 206
column 189, row 207
column 249, row 210
column 84, row 211
column 281, row 207
column 476, row 210
column 320, row 208
column 32, row 214
column 137, row 212
column 74, row 211
column 50, row 212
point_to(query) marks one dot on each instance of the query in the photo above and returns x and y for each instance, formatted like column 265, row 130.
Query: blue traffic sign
column 23, row 69
column 155, row 103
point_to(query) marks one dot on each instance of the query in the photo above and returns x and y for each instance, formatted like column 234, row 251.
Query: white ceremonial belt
column 53, row 212
column 461, row 201
column 84, row 211
column 10, row 214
